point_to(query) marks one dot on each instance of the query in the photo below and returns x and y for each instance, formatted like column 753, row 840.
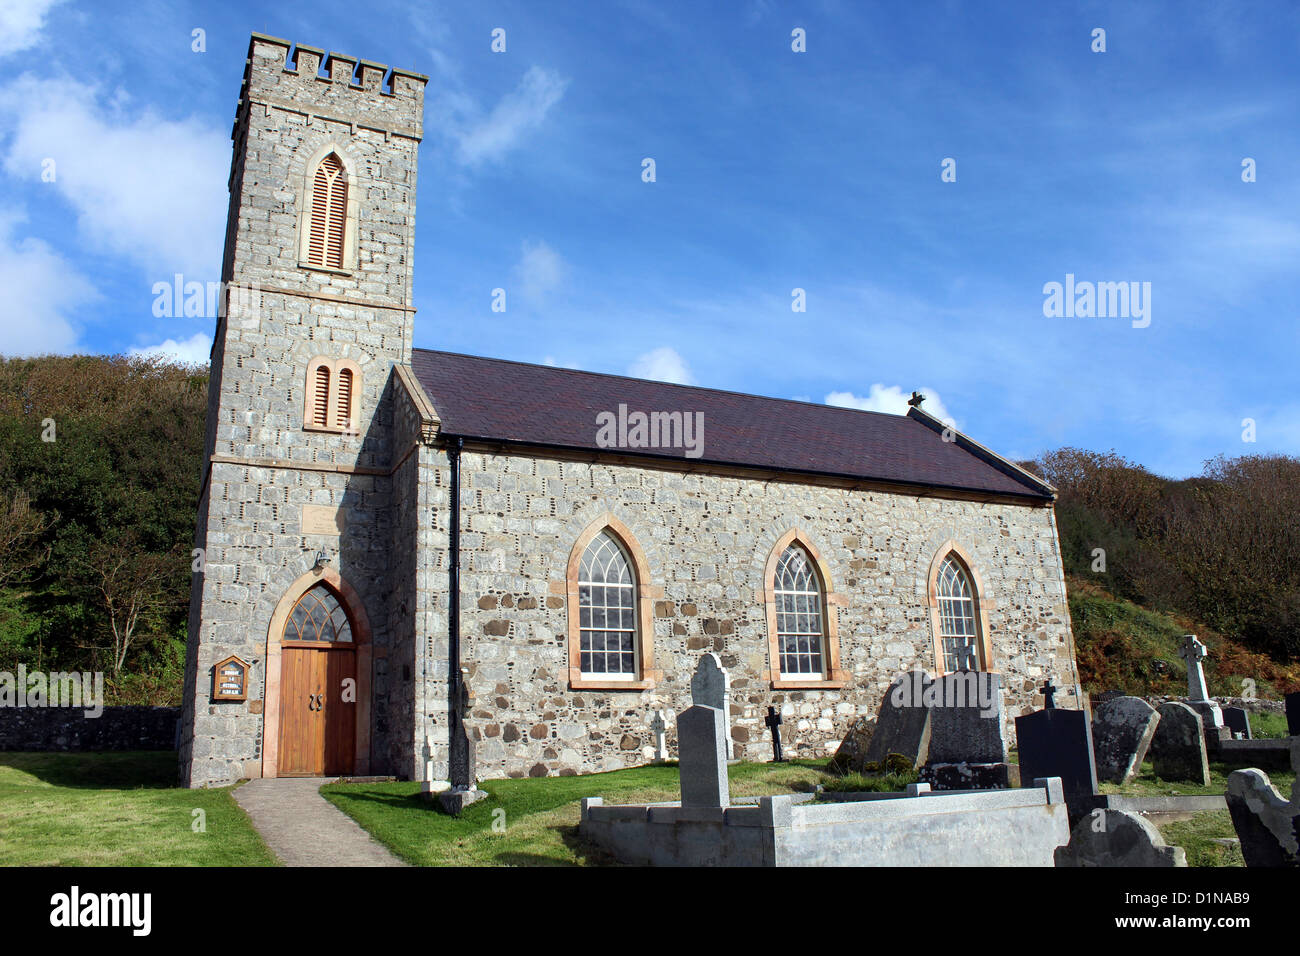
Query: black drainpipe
column 459, row 750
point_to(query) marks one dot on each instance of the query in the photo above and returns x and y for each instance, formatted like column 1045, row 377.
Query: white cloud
column 662, row 365
column 518, row 112
column 890, row 399
column 539, row 271
column 41, row 291
column 147, row 188
column 21, row 22
column 192, row 351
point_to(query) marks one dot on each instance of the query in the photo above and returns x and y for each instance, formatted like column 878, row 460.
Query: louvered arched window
column 343, row 407
column 329, row 214
column 320, row 405
column 333, row 395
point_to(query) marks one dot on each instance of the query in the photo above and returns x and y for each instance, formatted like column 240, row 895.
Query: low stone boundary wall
column 68, row 728
column 954, row 828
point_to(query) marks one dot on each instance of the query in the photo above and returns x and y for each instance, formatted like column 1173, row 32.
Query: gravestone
column 903, row 722
column 1117, row 838
column 1178, row 748
column 711, row 687
column 1105, row 697
column 1267, row 824
column 1237, row 720
column 1121, row 734
column 968, row 748
column 1058, row 743
column 852, row 752
column 1293, row 714
column 966, row 722
column 659, row 728
column 702, row 757
column 1193, row 653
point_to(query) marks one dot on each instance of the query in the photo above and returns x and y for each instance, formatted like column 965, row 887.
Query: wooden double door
column 318, row 710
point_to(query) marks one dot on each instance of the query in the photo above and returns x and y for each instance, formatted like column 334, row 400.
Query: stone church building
column 411, row 558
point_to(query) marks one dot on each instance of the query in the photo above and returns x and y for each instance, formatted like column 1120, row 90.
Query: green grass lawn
column 1147, row 784
column 536, row 818
column 1197, row 835
column 1268, row 726
column 116, row 809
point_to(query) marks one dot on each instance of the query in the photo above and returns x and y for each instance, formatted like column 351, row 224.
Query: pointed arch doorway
column 317, row 702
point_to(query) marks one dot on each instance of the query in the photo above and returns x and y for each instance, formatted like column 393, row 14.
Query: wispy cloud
column 662, row 365
column 192, row 351
column 21, row 23
column 890, row 399
column 518, row 113
column 539, row 272
column 146, row 188
column 42, row 294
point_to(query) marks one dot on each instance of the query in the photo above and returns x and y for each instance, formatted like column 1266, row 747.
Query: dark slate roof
column 500, row 400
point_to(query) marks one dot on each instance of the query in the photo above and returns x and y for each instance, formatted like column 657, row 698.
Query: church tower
column 288, row 666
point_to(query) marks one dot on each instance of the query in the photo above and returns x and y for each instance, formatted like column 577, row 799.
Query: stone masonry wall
column 707, row 539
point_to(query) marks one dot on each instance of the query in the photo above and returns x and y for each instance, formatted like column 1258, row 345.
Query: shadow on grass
column 98, row 770
column 586, row 854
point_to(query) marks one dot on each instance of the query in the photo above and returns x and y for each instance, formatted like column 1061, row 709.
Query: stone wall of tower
column 264, row 469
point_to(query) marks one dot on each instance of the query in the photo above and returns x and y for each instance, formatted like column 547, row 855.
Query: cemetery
column 971, row 804
column 942, row 775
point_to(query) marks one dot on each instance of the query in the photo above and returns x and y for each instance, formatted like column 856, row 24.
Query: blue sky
column 775, row 170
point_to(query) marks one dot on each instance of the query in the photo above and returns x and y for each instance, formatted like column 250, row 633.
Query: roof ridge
column 655, row 381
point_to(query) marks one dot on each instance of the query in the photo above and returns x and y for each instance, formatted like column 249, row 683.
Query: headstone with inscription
column 1178, row 748
column 1058, row 743
column 968, row 747
column 1122, row 729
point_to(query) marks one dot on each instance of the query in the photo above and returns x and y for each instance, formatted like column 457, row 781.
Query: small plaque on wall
column 230, row 680
column 322, row 519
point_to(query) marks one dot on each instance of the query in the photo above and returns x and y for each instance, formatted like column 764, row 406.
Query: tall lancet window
column 958, row 637
column 607, row 611
column 799, row 619
column 329, row 211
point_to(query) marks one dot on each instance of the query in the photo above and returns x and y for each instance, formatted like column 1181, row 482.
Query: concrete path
column 302, row 828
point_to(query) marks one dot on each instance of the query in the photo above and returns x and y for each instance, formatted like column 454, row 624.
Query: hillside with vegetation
column 100, row 461
column 99, row 483
column 1148, row 559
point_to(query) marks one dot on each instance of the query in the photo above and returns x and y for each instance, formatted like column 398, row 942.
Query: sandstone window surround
column 332, row 398
column 607, row 549
column 958, row 610
column 801, row 606
column 329, row 214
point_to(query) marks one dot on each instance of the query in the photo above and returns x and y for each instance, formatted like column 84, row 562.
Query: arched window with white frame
column 800, row 615
column 607, row 611
column 958, row 617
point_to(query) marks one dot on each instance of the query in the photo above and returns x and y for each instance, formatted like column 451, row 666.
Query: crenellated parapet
column 331, row 86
